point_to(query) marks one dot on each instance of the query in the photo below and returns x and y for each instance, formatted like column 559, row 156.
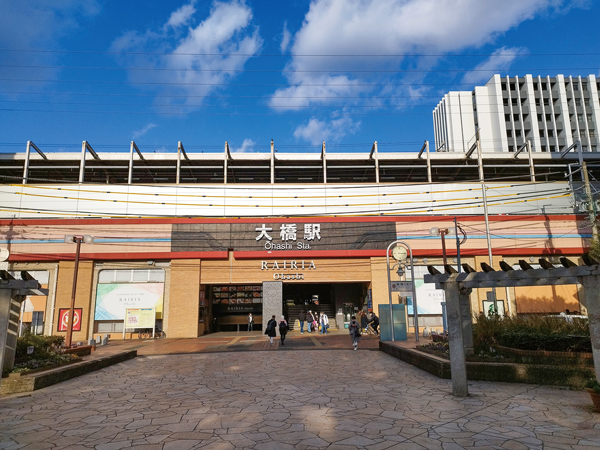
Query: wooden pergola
column 458, row 287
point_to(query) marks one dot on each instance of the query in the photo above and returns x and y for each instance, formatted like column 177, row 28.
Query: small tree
column 595, row 248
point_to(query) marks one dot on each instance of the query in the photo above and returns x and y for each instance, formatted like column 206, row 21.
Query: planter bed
column 40, row 379
column 438, row 364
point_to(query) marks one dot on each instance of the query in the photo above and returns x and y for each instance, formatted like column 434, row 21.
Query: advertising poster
column 429, row 299
column 113, row 298
column 63, row 319
column 139, row 318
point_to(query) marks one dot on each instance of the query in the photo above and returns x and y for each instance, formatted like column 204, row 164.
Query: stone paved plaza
column 335, row 399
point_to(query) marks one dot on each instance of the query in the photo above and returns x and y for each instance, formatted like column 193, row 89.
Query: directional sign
column 405, row 287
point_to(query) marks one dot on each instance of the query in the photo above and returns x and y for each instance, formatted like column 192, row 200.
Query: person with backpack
column 354, row 328
column 283, row 329
column 270, row 329
column 310, row 319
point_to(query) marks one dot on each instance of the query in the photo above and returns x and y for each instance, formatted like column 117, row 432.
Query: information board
column 139, row 318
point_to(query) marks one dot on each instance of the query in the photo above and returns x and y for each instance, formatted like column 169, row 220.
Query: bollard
column 92, row 343
column 105, row 340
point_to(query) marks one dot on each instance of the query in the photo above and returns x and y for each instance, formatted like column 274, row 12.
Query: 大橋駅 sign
column 288, row 232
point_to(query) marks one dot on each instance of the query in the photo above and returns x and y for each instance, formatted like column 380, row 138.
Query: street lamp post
column 78, row 240
column 442, row 232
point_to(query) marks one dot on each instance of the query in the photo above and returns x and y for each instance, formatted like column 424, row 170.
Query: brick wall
column 184, row 298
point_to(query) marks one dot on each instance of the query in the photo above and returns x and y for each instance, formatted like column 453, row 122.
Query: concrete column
column 272, row 301
column 184, row 299
column 9, row 328
column 467, row 319
column 591, row 285
column 458, row 361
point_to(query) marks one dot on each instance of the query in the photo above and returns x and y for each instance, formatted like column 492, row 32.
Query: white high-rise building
column 552, row 113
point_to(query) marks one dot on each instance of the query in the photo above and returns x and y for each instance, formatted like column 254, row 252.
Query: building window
column 535, row 86
column 541, row 133
column 577, row 102
column 580, row 117
column 537, row 102
column 508, row 133
column 548, row 117
column 594, row 148
column 507, row 117
column 550, row 133
column 544, row 149
column 514, row 102
column 511, row 148
column 586, row 102
column 512, row 86
column 552, row 148
column 592, row 133
column 539, row 117
column 505, row 102
column 503, row 86
column 516, row 117
column 546, row 102
column 517, row 133
column 544, row 86
column 584, row 86
column 589, row 118
column 575, row 87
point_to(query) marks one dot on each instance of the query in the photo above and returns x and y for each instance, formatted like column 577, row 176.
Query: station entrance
column 329, row 298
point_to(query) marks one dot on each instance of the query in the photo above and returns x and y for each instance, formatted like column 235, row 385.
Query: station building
column 206, row 238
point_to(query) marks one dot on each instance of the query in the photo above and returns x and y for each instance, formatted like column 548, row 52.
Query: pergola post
column 458, row 360
column 467, row 319
column 591, row 289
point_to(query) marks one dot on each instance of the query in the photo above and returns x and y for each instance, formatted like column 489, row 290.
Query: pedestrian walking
column 302, row 319
column 354, row 328
column 310, row 319
column 270, row 330
column 324, row 321
column 283, row 329
column 250, row 320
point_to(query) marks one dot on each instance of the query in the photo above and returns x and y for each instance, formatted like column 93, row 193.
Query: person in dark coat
column 270, row 330
column 283, row 329
column 363, row 320
column 354, row 328
column 302, row 319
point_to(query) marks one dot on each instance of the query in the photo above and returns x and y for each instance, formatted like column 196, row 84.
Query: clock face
column 399, row 253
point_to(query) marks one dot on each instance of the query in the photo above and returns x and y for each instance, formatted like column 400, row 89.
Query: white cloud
column 247, row 146
column 391, row 27
column 139, row 133
column 285, row 38
column 316, row 131
column 182, row 16
column 198, row 58
column 498, row 61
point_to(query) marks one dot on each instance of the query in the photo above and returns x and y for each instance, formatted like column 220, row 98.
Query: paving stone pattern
column 313, row 399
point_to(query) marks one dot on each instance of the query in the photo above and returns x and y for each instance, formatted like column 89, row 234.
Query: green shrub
column 593, row 384
column 44, row 346
column 532, row 333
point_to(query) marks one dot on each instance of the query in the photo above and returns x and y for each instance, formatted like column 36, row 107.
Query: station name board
column 291, row 237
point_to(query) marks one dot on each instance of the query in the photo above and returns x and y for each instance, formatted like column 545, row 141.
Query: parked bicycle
column 369, row 333
column 147, row 333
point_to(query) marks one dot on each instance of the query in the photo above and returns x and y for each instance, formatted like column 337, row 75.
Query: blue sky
column 299, row 72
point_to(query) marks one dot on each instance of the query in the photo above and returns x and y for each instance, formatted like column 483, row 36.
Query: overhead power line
column 279, row 55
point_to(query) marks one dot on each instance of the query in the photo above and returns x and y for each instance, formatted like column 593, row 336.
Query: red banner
column 63, row 319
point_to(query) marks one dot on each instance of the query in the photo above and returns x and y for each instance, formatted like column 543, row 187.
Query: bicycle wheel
column 140, row 335
column 160, row 334
column 146, row 334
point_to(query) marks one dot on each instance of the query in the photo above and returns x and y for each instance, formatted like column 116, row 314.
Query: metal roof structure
column 372, row 167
